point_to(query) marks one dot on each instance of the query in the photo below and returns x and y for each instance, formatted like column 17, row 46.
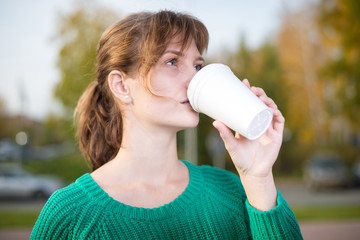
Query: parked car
column 16, row 182
column 325, row 170
column 9, row 150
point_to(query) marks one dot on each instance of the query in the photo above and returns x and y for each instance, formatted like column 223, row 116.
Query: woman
column 127, row 124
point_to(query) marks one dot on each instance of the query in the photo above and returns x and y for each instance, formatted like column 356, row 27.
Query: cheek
column 164, row 84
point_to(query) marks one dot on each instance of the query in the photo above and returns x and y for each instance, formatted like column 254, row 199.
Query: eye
column 172, row 62
column 198, row 67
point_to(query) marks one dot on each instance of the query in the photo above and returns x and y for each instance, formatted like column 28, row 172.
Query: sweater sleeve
column 277, row 223
column 56, row 219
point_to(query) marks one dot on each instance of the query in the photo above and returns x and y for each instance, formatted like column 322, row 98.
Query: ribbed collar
column 189, row 196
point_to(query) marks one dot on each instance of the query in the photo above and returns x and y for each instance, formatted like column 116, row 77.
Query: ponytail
column 99, row 125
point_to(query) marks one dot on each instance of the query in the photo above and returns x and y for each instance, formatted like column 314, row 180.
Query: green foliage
column 79, row 33
column 262, row 68
column 68, row 168
column 205, row 128
column 240, row 61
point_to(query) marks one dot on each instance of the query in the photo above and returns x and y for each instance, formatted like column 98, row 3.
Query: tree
column 339, row 22
column 261, row 67
column 302, row 54
column 79, row 33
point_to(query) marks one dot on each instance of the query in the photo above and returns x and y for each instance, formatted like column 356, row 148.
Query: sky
column 28, row 52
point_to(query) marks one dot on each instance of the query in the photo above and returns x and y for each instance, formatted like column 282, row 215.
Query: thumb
column 226, row 135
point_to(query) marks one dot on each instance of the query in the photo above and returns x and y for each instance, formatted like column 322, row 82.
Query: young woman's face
column 169, row 79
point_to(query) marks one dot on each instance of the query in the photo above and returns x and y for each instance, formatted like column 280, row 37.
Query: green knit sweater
column 213, row 206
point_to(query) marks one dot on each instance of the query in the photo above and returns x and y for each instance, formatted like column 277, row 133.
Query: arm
column 254, row 159
column 270, row 216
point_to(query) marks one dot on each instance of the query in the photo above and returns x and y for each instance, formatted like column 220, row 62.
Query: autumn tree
column 301, row 55
column 339, row 23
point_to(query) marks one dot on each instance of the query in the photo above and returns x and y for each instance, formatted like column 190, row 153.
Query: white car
column 16, row 182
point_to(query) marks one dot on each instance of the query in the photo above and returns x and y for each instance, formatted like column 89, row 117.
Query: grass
column 18, row 219
column 327, row 213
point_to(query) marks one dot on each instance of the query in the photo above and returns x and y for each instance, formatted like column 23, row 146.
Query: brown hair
column 133, row 45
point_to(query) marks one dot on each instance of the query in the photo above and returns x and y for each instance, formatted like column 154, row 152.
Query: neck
column 147, row 154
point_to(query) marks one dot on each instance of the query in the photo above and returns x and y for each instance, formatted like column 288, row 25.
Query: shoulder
column 68, row 197
column 60, row 213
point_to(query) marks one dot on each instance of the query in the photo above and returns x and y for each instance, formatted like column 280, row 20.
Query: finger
column 226, row 135
column 258, row 91
column 263, row 97
column 268, row 102
column 278, row 121
column 246, row 82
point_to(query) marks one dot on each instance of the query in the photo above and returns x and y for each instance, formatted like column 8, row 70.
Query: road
column 296, row 195
column 294, row 192
column 333, row 230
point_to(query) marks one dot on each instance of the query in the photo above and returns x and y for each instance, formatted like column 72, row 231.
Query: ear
column 118, row 87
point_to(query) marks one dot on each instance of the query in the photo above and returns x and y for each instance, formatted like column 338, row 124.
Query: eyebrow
column 182, row 54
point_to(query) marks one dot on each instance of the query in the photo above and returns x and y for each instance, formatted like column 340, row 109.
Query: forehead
column 177, row 43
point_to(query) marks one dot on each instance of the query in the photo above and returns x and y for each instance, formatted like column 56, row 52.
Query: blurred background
column 305, row 54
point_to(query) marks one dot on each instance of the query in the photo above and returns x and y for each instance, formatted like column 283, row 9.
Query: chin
column 190, row 123
column 183, row 120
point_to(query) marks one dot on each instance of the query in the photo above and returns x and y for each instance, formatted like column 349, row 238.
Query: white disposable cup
column 218, row 93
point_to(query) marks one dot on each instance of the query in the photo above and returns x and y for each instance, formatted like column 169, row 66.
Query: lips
column 185, row 101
